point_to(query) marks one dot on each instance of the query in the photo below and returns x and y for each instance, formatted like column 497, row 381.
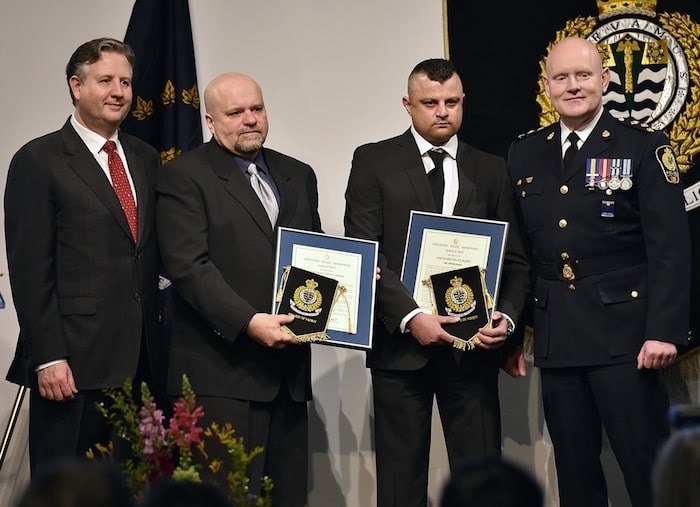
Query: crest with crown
column 654, row 62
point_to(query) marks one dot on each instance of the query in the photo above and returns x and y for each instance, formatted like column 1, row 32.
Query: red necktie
column 121, row 186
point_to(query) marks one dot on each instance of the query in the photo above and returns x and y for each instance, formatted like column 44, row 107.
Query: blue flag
column 166, row 107
column 165, row 111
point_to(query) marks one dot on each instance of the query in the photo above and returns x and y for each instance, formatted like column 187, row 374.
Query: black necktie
column 571, row 151
column 437, row 177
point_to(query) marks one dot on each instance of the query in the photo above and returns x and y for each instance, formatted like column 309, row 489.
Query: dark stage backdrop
column 497, row 47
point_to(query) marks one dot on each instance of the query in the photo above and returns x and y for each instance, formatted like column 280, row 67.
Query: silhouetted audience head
column 77, row 484
column 170, row 493
column 676, row 475
column 491, row 482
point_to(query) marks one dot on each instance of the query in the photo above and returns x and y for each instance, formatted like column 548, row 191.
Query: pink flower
column 151, row 427
column 183, row 425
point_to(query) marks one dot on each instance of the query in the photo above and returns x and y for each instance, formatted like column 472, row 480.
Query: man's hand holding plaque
column 462, row 295
column 309, row 298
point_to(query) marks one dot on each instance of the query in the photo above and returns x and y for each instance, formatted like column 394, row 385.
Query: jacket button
column 634, row 294
column 137, row 296
column 563, row 223
column 564, row 189
column 572, row 287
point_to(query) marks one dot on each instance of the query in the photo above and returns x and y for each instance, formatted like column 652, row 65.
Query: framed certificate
column 348, row 261
column 440, row 243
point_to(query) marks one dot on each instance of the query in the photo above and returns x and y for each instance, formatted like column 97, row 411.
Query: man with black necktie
column 218, row 210
column 83, row 258
column 412, row 360
column 610, row 251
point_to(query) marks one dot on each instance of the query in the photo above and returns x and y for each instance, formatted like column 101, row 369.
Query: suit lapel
column 466, row 174
column 138, row 175
column 550, row 161
column 83, row 163
column 412, row 162
column 236, row 184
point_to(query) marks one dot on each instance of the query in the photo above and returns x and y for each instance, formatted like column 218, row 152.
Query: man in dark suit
column 603, row 212
column 218, row 208
column 412, row 358
column 83, row 264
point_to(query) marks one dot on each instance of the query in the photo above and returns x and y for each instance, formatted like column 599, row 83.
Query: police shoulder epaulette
column 531, row 133
column 636, row 124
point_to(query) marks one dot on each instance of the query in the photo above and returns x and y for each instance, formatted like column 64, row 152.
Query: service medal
column 626, row 182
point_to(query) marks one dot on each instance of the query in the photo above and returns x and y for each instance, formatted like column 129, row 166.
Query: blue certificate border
column 420, row 220
column 368, row 250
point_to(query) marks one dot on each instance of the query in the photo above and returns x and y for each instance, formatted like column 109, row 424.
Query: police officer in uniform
column 603, row 213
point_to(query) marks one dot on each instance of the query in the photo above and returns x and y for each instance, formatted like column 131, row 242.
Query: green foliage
column 180, row 450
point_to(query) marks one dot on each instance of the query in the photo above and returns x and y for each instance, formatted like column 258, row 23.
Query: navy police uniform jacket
column 611, row 260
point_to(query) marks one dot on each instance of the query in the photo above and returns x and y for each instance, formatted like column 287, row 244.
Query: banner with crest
column 653, row 52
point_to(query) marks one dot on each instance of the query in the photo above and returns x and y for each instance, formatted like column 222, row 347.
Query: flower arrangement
column 180, row 449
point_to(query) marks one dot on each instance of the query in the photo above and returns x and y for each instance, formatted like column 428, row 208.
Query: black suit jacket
column 387, row 181
column 219, row 248
column 81, row 287
column 634, row 253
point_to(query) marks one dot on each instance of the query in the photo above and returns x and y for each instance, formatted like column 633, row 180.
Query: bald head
column 574, row 47
column 236, row 114
column 575, row 81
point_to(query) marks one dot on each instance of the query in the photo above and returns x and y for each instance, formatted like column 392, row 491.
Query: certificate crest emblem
column 307, row 299
column 459, row 298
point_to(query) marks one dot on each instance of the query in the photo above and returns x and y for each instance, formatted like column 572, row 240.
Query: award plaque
column 350, row 263
column 438, row 244
column 462, row 293
column 309, row 298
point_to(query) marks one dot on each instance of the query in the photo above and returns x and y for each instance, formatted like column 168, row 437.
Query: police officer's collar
column 582, row 133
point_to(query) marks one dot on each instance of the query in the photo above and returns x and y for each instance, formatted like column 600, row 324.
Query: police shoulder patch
column 667, row 161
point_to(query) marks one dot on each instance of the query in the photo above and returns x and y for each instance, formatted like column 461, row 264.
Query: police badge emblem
column 309, row 297
column 667, row 160
column 459, row 298
column 462, row 294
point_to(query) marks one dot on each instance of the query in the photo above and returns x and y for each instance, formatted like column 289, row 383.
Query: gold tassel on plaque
column 464, row 294
column 309, row 298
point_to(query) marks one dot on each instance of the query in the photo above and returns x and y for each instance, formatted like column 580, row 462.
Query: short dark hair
column 493, row 482
column 437, row 69
column 90, row 52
